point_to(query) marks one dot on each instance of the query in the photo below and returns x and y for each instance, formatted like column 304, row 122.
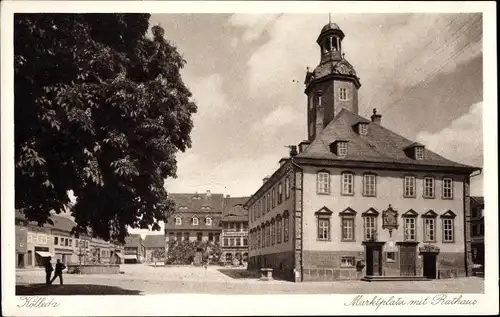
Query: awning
column 119, row 255
column 44, row 254
column 130, row 257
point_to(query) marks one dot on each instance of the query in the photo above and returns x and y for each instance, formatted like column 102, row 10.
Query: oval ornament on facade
column 390, row 219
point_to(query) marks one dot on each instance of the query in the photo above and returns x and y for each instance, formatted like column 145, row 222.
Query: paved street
column 142, row 279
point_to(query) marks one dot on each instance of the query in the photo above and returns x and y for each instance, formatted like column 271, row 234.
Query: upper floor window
column 363, row 128
column 410, row 228
column 447, row 188
column 369, row 185
column 178, row 221
column 286, row 224
column 287, row 187
column 341, row 148
column 271, row 232
column 268, row 201
column 429, row 187
column 56, row 242
column 279, row 230
column 419, row 152
column 343, row 93
column 195, row 221
column 347, row 180
column 370, row 228
column 273, row 197
column 448, row 225
column 280, row 193
column 347, row 225
column 323, row 228
column 323, row 183
column 429, row 229
column 409, row 186
column 208, row 221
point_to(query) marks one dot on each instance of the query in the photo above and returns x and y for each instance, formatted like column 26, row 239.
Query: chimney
column 208, row 193
column 319, row 114
column 293, row 150
column 228, row 196
column 265, row 179
column 303, row 145
column 376, row 118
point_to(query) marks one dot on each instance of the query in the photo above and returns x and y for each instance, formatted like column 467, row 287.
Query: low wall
column 94, row 269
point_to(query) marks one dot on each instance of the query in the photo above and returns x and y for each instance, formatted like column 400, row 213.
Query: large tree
column 100, row 109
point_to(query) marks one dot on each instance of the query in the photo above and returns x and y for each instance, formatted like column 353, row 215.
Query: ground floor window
column 391, row 257
column 347, row 261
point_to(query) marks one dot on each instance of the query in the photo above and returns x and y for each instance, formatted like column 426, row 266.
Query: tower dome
column 330, row 26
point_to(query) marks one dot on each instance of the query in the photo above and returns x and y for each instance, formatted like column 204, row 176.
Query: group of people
column 57, row 272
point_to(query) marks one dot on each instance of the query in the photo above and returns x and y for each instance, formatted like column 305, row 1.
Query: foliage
column 183, row 252
column 100, row 109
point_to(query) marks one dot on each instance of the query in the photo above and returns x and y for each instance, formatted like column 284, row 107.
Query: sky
column 423, row 73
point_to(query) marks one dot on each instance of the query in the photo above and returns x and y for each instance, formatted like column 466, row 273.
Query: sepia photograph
column 318, row 152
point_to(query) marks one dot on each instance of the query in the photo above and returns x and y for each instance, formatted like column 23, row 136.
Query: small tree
column 158, row 254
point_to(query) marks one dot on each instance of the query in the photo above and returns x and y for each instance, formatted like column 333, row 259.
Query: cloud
column 254, row 24
column 280, row 117
column 208, row 94
column 461, row 141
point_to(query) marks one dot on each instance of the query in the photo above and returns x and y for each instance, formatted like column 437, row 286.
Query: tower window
column 343, row 94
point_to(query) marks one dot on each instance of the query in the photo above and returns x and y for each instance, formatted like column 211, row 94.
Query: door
column 429, row 265
column 407, row 257
column 373, row 260
column 20, row 260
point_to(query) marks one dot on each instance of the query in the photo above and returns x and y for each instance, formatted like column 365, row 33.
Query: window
column 285, row 228
column 278, row 231
column 271, row 233
column 429, row 187
column 195, row 221
column 323, row 229
column 237, row 242
column 419, row 153
column 323, row 183
column 186, row 236
column 311, row 128
column 347, row 184
column 341, row 148
column 311, row 99
column 268, row 235
column 238, row 226
column 217, row 237
column 287, row 187
column 390, row 257
column 347, row 261
column 245, row 242
column 429, row 229
column 268, row 201
column 208, row 221
column 410, row 229
column 409, row 186
column 178, row 221
column 448, row 230
column 342, row 93
column 244, row 225
column 347, row 229
column 273, row 197
column 447, row 188
column 363, row 129
column 70, row 242
column 258, row 237
column 226, row 242
column 86, row 244
column 280, row 193
column 199, row 236
column 61, row 242
column 171, row 236
column 370, row 228
column 179, row 236
column 369, row 188
column 55, row 241
column 211, row 236
column 66, row 242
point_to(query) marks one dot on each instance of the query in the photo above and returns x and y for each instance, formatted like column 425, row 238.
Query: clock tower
column 332, row 85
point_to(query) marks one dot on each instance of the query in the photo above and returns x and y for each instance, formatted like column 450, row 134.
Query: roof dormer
column 361, row 128
column 416, row 151
column 339, row 147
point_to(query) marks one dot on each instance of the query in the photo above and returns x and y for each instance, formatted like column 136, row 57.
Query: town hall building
column 356, row 200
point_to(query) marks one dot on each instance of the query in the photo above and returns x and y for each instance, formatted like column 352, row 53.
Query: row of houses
column 34, row 244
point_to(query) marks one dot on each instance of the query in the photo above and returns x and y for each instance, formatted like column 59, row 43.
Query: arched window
column 271, row 231
column 286, row 225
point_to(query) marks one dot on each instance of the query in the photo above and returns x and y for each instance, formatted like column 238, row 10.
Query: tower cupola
column 330, row 43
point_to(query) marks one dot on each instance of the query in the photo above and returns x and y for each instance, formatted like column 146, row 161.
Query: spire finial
column 329, row 18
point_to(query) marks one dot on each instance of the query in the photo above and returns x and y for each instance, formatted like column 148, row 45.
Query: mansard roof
column 380, row 145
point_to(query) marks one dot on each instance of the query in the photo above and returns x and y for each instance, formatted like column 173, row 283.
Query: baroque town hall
column 356, row 200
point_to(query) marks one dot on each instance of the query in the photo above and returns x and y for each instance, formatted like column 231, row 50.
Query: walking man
column 48, row 270
column 58, row 272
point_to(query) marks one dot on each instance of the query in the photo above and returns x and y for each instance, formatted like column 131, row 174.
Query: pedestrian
column 58, row 272
column 48, row 270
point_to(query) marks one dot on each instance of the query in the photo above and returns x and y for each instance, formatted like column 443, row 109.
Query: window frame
column 365, row 192
column 419, row 152
column 286, row 226
column 273, row 197
column 448, row 216
column 343, row 94
column 363, row 128
column 405, row 195
column 287, row 187
column 280, row 193
column 388, row 259
column 279, row 229
column 347, row 216
column 405, row 235
column 195, row 223
column 351, row 258
column 326, row 184
column 370, row 220
column 342, row 188
column 178, row 221
column 443, row 188
column 342, row 148
column 208, row 221
column 424, row 187
column 425, row 225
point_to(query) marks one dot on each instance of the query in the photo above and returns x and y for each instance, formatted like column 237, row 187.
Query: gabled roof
column 234, row 210
column 195, row 202
column 133, row 241
column 154, row 241
column 380, row 145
